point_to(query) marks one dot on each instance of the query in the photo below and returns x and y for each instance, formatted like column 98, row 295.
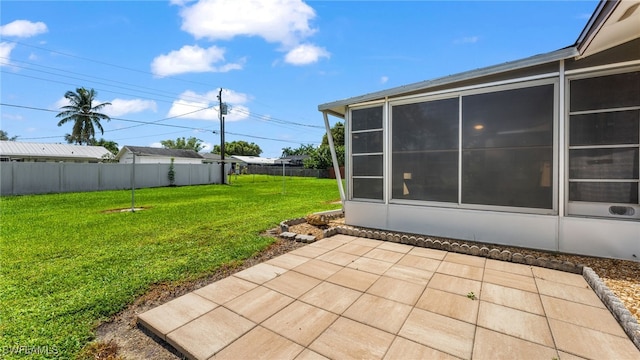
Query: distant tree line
column 86, row 118
column 320, row 157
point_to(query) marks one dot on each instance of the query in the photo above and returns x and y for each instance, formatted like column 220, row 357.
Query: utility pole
column 221, row 118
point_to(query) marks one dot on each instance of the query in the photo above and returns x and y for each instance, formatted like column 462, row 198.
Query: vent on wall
column 622, row 210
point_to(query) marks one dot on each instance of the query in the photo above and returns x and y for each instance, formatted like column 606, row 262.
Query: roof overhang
column 612, row 23
column 338, row 108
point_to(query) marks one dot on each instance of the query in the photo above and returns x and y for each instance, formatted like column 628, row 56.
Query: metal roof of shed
column 257, row 160
column 47, row 150
column 145, row 150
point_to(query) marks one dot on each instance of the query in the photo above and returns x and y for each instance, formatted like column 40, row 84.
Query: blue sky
column 276, row 60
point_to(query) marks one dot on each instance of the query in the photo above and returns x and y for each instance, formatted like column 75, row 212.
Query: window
column 505, row 157
column 507, row 148
column 425, row 150
column 604, row 144
column 366, row 153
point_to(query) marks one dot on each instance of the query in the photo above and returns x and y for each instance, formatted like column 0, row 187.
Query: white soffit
column 621, row 26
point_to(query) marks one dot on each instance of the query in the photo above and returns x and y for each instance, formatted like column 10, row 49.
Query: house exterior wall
column 566, row 224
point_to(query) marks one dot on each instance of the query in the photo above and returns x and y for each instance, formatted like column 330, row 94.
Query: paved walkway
column 352, row 298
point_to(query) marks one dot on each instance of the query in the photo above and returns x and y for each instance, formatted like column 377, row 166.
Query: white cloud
column 206, row 147
column 190, row 59
column 11, row 117
column 305, row 54
column 60, row 103
column 23, row 28
column 467, row 40
column 180, row 2
column 5, row 53
column 384, row 79
column 121, row 107
column 155, row 145
column 279, row 21
column 118, row 107
column 284, row 22
column 190, row 103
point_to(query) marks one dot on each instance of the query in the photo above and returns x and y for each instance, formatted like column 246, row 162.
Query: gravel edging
column 626, row 320
column 623, row 316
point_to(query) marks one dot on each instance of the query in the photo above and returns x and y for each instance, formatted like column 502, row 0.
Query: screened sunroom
column 541, row 153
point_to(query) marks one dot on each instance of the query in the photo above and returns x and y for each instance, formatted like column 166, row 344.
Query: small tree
column 302, row 150
column 191, row 143
column 5, row 136
column 321, row 157
column 112, row 146
column 242, row 148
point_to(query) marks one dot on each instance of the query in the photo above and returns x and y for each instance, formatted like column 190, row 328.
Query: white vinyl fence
column 21, row 178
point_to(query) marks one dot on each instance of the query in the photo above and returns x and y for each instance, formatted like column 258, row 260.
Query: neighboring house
column 150, row 155
column 294, row 160
column 254, row 160
column 211, row 158
column 44, row 152
column 541, row 152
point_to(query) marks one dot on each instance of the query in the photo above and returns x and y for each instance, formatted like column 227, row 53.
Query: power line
column 65, row 73
column 259, row 116
column 112, row 118
column 238, row 110
column 76, row 85
column 104, row 63
column 155, row 122
column 274, row 119
column 151, row 123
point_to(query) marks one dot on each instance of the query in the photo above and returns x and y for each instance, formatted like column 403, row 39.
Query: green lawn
column 66, row 264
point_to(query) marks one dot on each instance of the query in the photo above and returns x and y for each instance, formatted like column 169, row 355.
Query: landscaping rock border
column 625, row 318
column 329, row 215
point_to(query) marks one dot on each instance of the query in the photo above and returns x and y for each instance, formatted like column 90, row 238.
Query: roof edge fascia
column 561, row 54
column 600, row 15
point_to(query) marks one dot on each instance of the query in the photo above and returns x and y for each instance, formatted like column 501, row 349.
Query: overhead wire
column 64, row 73
column 261, row 117
column 104, row 62
column 130, row 69
column 147, row 123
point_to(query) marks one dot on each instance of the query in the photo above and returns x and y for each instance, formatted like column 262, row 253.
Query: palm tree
column 84, row 115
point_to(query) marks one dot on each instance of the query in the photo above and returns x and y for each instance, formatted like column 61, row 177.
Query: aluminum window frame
column 513, row 84
column 349, row 153
column 591, row 208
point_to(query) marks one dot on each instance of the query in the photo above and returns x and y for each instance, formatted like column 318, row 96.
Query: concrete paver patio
column 346, row 297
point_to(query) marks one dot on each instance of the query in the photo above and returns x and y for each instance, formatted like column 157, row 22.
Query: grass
column 66, row 264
